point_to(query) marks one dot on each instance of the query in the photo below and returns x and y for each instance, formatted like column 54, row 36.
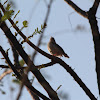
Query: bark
column 91, row 16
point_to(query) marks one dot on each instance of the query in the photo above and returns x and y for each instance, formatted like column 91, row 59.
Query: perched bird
column 55, row 49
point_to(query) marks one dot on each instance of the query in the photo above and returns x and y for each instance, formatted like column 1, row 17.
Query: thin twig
column 57, row 60
column 34, row 96
column 20, row 92
column 76, row 8
column 45, row 22
column 46, row 65
column 5, row 73
column 4, row 66
column 37, row 66
column 27, row 83
column 52, row 94
column 9, row 62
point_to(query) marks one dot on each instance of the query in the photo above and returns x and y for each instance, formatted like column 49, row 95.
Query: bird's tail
column 66, row 55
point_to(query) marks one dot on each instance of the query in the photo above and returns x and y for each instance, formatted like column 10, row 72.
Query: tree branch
column 76, row 8
column 20, row 92
column 34, row 96
column 46, row 65
column 90, row 15
column 9, row 62
column 45, row 22
column 57, row 60
column 37, row 66
column 4, row 66
column 96, row 37
column 15, row 55
column 5, row 73
column 94, row 8
column 27, row 83
column 52, row 94
column 40, row 40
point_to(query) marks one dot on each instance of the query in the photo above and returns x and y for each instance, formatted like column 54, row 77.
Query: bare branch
column 37, row 66
column 94, row 8
column 27, row 83
column 77, row 79
column 34, row 96
column 52, row 94
column 4, row 66
column 96, row 37
column 5, row 73
column 46, row 65
column 57, row 60
column 9, row 62
column 90, row 15
column 76, row 8
column 15, row 54
column 45, row 22
column 41, row 36
column 20, row 92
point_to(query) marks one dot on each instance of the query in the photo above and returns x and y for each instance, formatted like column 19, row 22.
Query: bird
column 55, row 49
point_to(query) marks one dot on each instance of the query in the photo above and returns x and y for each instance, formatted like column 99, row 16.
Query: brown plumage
column 55, row 49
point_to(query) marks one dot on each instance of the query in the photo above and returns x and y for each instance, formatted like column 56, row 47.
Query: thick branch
column 52, row 94
column 39, row 43
column 95, row 7
column 15, row 55
column 57, row 60
column 92, row 19
column 77, row 79
column 96, row 37
column 27, row 83
column 90, row 15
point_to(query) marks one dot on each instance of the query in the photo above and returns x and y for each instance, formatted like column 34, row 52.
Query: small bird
column 55, row 49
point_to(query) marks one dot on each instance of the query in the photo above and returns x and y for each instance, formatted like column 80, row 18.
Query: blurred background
column 71, row 31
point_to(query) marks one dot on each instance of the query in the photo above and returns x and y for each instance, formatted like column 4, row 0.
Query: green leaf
column 22, row 62
column 8, row 7
column 41, row 26
column 25, row 23
column 37, row 28
column 7, row 15
column 16, row 22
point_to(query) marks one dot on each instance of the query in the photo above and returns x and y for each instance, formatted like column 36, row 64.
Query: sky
column 78, row 44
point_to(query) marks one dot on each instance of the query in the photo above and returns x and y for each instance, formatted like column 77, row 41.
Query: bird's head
column 52, row 39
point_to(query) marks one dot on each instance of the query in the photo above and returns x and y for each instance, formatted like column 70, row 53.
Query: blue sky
column 77, row 44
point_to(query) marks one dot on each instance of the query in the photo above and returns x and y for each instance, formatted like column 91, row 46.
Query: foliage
column 8, row 13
